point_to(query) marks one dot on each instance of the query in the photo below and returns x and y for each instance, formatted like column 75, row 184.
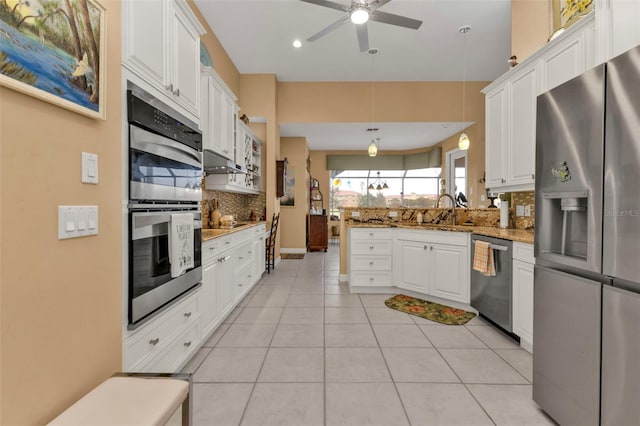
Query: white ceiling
column 258, row 36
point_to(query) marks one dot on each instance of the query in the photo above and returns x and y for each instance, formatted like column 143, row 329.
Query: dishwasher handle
column 496, row 247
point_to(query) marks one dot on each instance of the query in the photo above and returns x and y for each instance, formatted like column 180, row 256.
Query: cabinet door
column 523, row 303
column 258, row 249
column 411, row 265
column 224, row 285
column 216, row 116
column 449, row 276
column 208, row 296
column 522, row 130
column 497, row 116
column 205, row 111
column 228, row 128
column 185, row 60
column 618, row 27
column 144, row 40
column 567, row 60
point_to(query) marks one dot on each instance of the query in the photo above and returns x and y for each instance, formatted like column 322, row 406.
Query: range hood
column 216, row 164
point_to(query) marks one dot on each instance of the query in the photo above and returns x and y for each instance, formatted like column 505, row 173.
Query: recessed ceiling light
column 297, row 43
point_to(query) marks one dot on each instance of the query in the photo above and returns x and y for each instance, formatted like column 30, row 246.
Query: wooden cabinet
column 523, row 262
column 318, row 232
column 161, row 45
column 617, row 27
column 432, row 262
column 370, row 259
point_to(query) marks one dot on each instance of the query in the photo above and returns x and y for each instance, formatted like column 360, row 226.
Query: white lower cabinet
column 523, row 262
column 433, row 262
column 370, row 259
column 168, row 340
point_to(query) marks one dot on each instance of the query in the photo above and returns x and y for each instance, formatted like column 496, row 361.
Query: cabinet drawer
column 176, row 351
column 370, row 263
column 437, row 237
column 242, row 256
column 153, row 337
column 373, row 247
column 523, row 252
column 376, row 279
column 209, row 251
column 371, row 234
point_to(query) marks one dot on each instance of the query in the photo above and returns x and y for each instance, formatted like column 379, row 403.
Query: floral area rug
column 429, row 310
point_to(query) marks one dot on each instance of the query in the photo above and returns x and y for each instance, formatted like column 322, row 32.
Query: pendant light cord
column 464, row 76
column 373, row 58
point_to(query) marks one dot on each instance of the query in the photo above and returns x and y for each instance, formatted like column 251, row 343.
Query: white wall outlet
column 393, row 214
column 519, row 210
column 89, row 168
column 527, row 210
column 355, row 214
column 77, row 221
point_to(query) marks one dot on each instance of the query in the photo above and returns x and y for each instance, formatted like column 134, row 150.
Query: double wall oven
column 165, row 178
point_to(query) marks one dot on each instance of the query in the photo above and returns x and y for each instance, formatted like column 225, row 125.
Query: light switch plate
column 519, row 210
column 355, row 214
column 77, row 221
column 393, row 214
column 89, row 168
column 527, row 211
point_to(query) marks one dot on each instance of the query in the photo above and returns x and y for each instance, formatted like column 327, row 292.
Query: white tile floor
column 300, row 350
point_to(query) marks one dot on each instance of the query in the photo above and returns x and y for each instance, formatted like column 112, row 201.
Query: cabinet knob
column 371, row 234
column 431, row 248
column 240, row 257
column 371, row 263
column 154, row 341
column 370, row 278
column 503, row 181
column 250, row 252
column 212, row 248
column 227, row 242
column 533, row 175
column 370, row 247
column 239, row 285
column 425, row 247
column 187, row 344
column 249, row 276
column 169, row 87
column 176, row 92
column 187, row 314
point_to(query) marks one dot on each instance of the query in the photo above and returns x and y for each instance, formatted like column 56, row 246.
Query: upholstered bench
column 132, row 399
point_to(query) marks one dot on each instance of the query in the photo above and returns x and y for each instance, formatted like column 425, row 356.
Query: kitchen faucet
column 453, row 206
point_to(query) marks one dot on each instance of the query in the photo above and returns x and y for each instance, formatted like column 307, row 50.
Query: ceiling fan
column 359, row 12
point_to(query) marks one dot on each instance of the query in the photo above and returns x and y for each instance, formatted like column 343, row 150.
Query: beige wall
column 61, row 301
column 531, row 26
column 221, row 60
column 294, row 219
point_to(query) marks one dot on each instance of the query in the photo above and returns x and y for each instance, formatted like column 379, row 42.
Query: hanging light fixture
column 463, row 141
column 378, row 184
column 360, row 15
column 373, row 146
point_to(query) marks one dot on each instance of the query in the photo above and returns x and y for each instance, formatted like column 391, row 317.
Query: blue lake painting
column 30, row 35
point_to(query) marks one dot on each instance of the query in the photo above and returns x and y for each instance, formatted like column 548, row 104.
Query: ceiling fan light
column 373, row 149
column 463, row 141
column 359, row 15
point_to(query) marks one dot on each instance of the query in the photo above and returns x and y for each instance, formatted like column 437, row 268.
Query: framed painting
column 566, row 12
column 289, row 199
column 55, row 50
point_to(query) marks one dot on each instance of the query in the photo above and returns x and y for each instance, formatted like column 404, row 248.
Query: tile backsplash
column 522, row 199
column 239, row 205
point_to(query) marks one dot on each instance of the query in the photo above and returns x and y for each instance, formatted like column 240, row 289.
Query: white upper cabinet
column 218, row 114
column 497, row 118
column 161, row 45
column 617, row 27
column 521, row 152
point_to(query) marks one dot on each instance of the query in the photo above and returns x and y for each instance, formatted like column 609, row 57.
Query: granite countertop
column 209, row 234
column 519, row 235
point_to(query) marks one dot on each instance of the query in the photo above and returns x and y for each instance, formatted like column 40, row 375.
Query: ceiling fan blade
column 363, row 37
column 380, row 3
column 323, row 32
column 329, row 4
column 390, row 18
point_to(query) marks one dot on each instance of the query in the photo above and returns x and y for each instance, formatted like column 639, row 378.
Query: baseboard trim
column 343, row 278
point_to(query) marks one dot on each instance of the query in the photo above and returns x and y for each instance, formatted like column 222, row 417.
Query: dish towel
column 483, row 259
column 181, row 245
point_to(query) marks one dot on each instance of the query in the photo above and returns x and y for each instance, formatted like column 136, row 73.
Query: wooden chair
column 270, row 253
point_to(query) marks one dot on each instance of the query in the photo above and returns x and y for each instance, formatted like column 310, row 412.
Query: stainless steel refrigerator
column 586, row 358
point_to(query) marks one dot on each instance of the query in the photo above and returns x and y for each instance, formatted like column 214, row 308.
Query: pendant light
column 463, row 141
column 379, row 184
column 373, row 146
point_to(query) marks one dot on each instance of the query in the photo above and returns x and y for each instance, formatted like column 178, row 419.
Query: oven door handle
column 151, row 143
column 146, row 225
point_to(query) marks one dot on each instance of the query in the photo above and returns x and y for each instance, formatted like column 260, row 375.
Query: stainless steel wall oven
column 165, row 178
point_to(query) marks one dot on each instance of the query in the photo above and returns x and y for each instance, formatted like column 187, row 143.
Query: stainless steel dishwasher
column 491, row 296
